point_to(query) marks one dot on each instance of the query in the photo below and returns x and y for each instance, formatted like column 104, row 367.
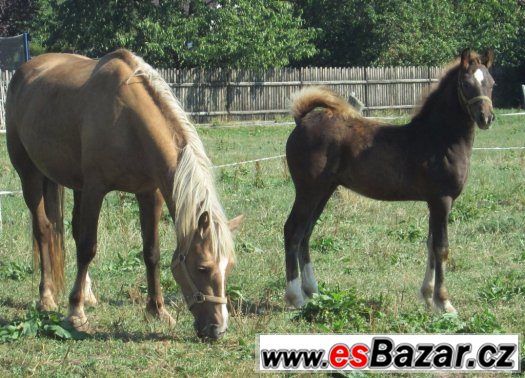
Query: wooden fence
column 229, row 95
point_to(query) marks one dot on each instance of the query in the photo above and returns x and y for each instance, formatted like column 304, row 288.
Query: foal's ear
column 235, row 223
column 204, row 224
column 465, row 59
column 488, row 58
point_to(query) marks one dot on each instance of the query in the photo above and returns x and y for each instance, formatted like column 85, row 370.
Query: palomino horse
column 113, row 124
column 426, row 160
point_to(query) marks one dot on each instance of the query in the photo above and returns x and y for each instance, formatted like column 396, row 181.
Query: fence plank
column 243, row 94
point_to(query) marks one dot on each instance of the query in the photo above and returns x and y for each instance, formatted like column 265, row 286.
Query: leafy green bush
column 40, row 324
column 335, row 310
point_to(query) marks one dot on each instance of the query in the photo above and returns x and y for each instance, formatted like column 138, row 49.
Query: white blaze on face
column 478, row 75
column 223, row 264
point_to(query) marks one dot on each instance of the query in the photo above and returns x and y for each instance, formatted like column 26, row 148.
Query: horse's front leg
column 89, row 297
column 150, row 206
column 90, row 205
column 439, row 212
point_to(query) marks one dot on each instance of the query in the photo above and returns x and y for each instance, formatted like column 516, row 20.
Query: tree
column 15, row 16
column 227, row 33
column 413, row 32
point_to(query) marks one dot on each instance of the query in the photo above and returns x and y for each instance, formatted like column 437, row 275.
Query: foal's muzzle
column 484, row 121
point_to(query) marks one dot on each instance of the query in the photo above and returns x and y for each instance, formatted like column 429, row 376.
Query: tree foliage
column 15, row 16
column 413, row 32
column 237, row 33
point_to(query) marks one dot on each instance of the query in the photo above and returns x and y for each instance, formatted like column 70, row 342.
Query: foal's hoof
column 154, row 313
column 80, row 323
column 444, row 306
column 294, row 294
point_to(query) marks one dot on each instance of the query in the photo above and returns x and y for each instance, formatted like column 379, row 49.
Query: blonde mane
column 193, row 183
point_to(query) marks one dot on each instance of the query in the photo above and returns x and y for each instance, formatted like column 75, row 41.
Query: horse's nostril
column 210, row 332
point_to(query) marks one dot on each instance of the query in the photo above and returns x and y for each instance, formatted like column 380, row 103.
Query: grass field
column 368, row 255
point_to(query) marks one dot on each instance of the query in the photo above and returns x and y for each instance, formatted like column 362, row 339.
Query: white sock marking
column 294, row 293
column 308, row 279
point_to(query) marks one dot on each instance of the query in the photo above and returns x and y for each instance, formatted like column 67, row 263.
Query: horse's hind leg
column 308, row 281
column 90, row 204
column 150, row 206
column 439, row 211
column 32, row 186
column 89, row 297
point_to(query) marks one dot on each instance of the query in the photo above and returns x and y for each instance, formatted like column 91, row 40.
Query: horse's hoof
column 46, row 303
column 161, row 314
column 80, row 323
column 90, row 300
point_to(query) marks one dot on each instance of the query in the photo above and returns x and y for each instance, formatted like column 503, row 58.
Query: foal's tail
column 318, row 97
column 54, row 207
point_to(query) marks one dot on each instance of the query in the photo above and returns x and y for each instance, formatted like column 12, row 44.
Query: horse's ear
column 235, row 223
column 488, row 58
column 204, row 224
column 465, row 59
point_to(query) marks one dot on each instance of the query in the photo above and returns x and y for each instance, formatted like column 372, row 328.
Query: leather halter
column 466, row 103
column 197, row 296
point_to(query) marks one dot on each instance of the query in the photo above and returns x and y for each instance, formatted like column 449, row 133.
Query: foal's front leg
column 439, row 211
column 150, row 206
column 90, row 205
column 427, row 288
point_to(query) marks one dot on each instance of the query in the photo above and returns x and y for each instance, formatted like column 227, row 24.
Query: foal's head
column 475, row 87
column 201, row 271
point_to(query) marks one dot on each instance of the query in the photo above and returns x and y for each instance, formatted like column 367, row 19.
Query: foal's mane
column 193, row 183
column 449, row 78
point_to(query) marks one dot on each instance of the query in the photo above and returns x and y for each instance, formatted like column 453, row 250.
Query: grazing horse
column 113, row 124
column 426, row 160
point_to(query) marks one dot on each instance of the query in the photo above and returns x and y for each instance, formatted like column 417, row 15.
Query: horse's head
column 475, row 87
column 201, row 273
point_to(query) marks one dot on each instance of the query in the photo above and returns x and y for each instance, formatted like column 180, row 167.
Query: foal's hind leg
column 308, row 281
column 150, row 205
column 439, row 211
column 297, row 231
column 90, row 205
column 89, row 297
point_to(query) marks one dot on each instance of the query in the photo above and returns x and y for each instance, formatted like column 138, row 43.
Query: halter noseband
column 466, row 103
column 197, row 296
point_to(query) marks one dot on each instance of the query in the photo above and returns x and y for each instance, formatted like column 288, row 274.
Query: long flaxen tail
column 54, row 207
column 318, row 97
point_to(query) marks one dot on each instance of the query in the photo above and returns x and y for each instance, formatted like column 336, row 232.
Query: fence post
column 523, row 90
column 366, row 93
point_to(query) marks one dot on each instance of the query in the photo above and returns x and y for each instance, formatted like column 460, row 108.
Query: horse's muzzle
column 210, row 332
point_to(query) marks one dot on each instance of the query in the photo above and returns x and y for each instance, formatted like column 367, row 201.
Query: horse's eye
column 203, row 269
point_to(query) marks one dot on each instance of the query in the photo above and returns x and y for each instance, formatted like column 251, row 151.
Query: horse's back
column 52, row 99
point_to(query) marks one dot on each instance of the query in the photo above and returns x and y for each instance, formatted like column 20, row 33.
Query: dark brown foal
column 426, row 160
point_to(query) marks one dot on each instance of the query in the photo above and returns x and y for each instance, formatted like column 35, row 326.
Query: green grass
column 369, row 257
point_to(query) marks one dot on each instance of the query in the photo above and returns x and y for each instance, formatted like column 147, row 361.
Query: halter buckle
column 199, row 297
